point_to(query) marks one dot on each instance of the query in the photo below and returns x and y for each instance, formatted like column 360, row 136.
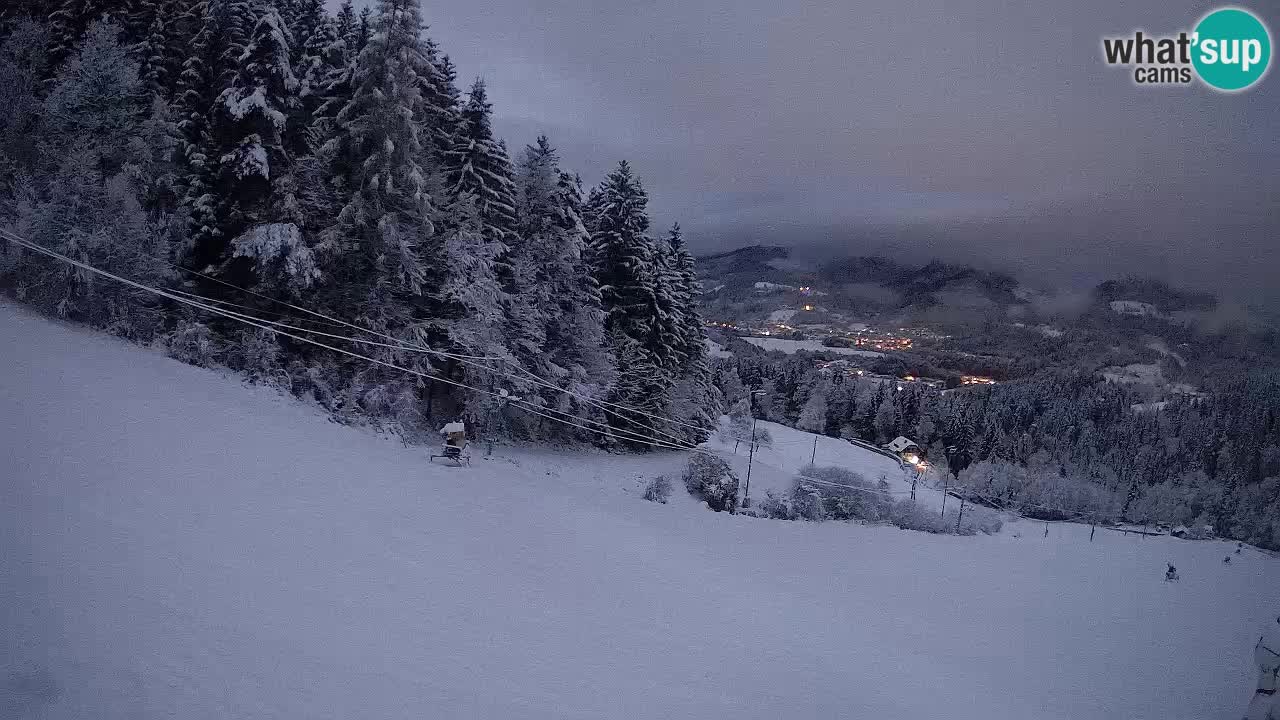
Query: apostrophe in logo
column 1232, row 49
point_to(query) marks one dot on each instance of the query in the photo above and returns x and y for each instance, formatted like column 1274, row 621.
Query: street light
column 751, row 453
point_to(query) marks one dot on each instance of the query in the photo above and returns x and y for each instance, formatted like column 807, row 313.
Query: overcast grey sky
column 981, row 130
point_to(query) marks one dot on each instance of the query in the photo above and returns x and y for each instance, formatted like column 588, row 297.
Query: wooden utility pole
column 814, row 457
column 746, row 494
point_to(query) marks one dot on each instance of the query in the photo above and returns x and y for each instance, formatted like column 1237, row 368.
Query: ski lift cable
column 407, row 345
column 268, row 326
column 258, row 311
column 299, row 308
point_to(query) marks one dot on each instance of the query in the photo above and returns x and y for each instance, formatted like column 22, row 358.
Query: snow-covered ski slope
column 178, row 545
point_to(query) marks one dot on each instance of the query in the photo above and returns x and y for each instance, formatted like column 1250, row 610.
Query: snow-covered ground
column 777, row 463
column 716, row 350
column 791, row 347
column 1135, row 374
column 177, row 544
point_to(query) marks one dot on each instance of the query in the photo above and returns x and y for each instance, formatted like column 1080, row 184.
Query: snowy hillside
column 178, row 544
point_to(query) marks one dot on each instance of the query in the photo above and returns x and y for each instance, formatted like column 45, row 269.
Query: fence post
column 1093, row 530
column 1046, row 528
column 945, row 481
column 959, row 519
column 814, row 457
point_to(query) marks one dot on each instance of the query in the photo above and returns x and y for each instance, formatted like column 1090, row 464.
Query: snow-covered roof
column 901, row 443
column 453, row 427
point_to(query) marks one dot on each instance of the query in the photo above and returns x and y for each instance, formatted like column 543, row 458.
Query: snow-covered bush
column 983, row 521
column 807, row 503
column 256, row 353
column 776, row 507
column 279, row 253
column 193, row 343
column 710, row 479
column 908, row 515
column 843, row 494
column 658, row 489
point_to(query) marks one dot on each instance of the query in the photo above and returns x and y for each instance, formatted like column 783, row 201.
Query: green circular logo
column 1232, row 49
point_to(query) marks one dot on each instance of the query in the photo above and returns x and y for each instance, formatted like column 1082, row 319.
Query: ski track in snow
column 178, row 544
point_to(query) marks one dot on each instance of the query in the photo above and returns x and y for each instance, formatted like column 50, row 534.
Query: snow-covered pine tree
column 158, row 54
column 440, row 99
column 555, row 283
column 87, row 204
column 221, row 31
column 254, row 184
column 696, row 402
column 237, row 20
column 303, row 21
column 68, row 23
column 23, row 54
column 323, row 62
column 575, row 334
column 17, row 10
column 626, row 267
column 693, row 332
column 473, row 306
column 374, row 250
column 479, row 180
column 644, row 388
column 623, row 252
column 478, row 166
column 670, row 300
column 94, row 103
column 345, row 21
column 813, row 416
column 364, row 29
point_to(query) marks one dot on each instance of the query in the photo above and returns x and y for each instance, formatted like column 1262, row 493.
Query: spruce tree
column 554, row 283
column 478, row 166
column 159, row 66
column 320, row 70
column 375, row 248
column 221, row 36
column 622, row 253
column 364, row 29
column 254, row 184
column 85, row 202
column 695, row 394
column 303, row 22
column 627, row 269
column 72, row 18
column 440, row 99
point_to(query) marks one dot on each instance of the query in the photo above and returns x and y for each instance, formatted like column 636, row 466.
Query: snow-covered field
column 791, row 347
column 716, row 350
column 176, row 544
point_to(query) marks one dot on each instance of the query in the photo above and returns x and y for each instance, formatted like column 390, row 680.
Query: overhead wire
column 466, row 359
column 268, row 326
column 274, row 327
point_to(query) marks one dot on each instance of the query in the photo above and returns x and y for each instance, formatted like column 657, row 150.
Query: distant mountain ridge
column 739, row 270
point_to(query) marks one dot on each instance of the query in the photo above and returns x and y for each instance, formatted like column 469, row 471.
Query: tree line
column 1062, row 443
column 250, row 154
